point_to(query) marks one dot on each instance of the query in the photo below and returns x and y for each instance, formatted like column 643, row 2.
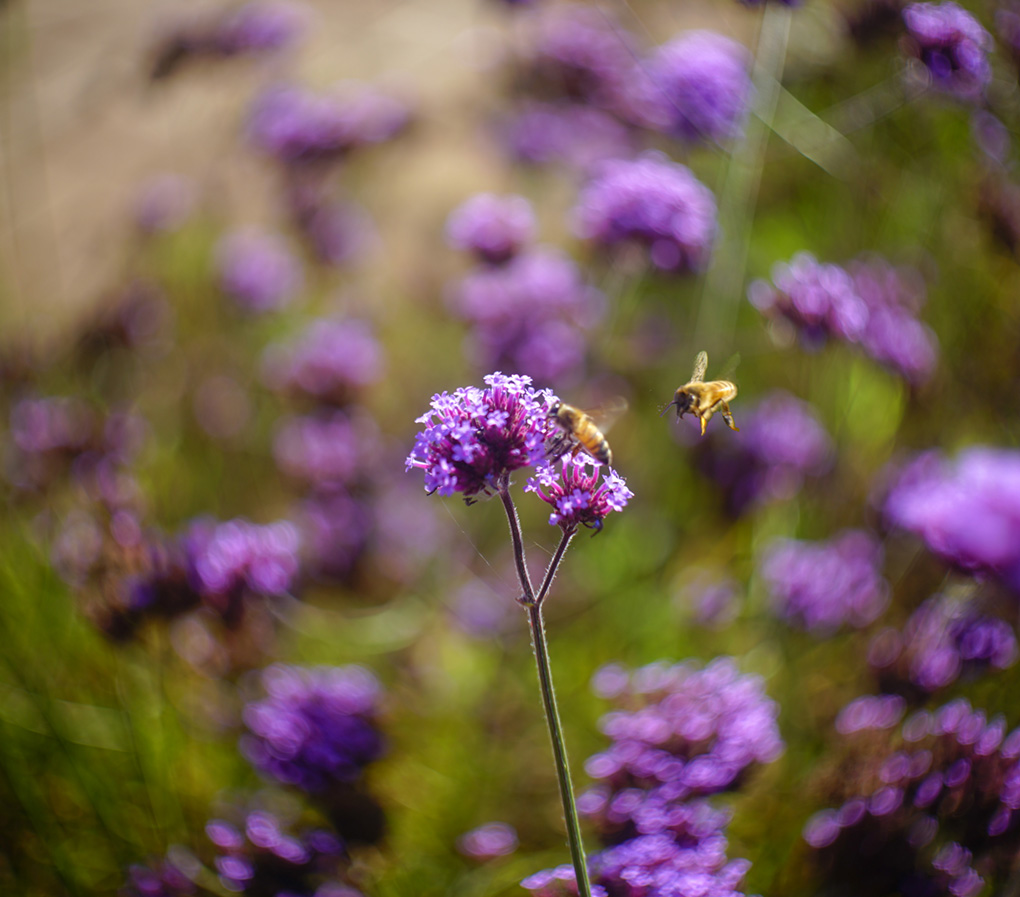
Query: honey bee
column 584, row 429
column 704, row 399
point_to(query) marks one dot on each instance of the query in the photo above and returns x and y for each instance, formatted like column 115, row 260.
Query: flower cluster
column 261, row 856
column 942, row 640
column 696, row 87
column 870, row 304
column 494, row 839
column 576, row 496
column 945, row 792
column 331, row 361
column 475, row 438
column 821, row 586
column 495, row 228
column 952, row 46
column 781, row 441
column 258, row 271
column 683, row 734
column 164, row 878
column 967, row 511
column 530, row 314
column 325, row 450
column 654, row 202
column 296, row 125
column 316, row 726
column 335, row 230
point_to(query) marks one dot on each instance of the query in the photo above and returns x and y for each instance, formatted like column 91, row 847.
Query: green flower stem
column 533, row 604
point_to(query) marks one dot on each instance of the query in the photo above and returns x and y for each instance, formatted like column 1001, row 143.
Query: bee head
column 554, row 410
column 682, row 401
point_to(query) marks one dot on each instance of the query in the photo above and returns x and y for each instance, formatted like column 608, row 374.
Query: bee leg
column 704, row 423
column 728, row 417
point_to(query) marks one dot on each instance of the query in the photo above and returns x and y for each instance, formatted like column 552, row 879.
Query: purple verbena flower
column 942, row 639
column 296, row 125
column 578, row 498
column 258, row 271
column 316, row 727
column 872, row 305
column 335, row 531
column 324, row 450
column 823, row 585
column 952, row 45
column 259, row 26
column 238, row 556
column 654, row 202
column 576, row 135
column 475, row 438
column 262, row 856
column 493, row 227
column 696, row 87
column 330, row 361
column 163, row 203
column 494, row 839
column 530, row 314
column 164, row 878
column 966, row 511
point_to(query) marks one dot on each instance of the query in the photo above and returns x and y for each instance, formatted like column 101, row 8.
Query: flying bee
column 584, row 429
column 704, row 399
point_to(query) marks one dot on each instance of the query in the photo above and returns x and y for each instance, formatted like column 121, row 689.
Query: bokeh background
column 241, row 650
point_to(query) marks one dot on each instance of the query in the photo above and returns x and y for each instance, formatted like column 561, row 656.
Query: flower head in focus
column 474, row 438
column 578, row 498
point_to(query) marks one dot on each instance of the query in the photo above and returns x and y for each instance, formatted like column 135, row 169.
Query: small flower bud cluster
column 577, row 496
column 966, row 511
column 820, row 586
column 316, row 727
column 952, row 46
column 942, row 640
column 529, row 307
column 682, row 734
column 945, row 792
column 869, row 304
column 781, row 441
column 653, row 202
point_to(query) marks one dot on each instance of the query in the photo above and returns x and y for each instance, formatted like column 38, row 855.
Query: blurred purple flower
column 330, row 361
column 494, row 839
column 474, row 438
column 654, row 202
column 942, row 793
column 582, row 54
column 324, row 450
column 260, row 26
column 238, row 556
column 164, row 878
column 335, row 531
column 952, row 45
column 712, row 601
column 577, row 135
column 942, row 639
column 481, row 611
column 966, row 511
column 258, row 271
column 872, row 305
column 577, row 497
column 781, row 441
column 696, row 87
column 530, row 314
column 316, row 726
column 870, row 712
column 262, row 857
column 296, row 125
column 493, row 227
column 164, row 203
column 821, row 586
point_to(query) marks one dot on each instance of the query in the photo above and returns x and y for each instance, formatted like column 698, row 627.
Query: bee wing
column 730, row 368
column 700, row 366
column 608, row 413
